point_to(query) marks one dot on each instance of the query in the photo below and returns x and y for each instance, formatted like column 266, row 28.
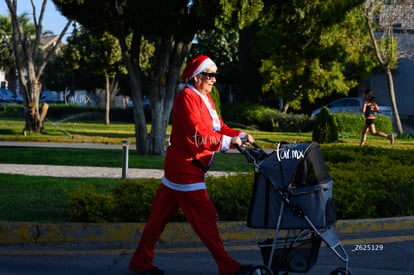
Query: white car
column 352, row 105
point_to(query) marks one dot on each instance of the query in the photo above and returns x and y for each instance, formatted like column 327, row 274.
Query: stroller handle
column 252, row 154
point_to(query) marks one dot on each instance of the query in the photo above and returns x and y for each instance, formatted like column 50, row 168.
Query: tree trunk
column 169, row 58
column 34, row 115
column 130, row 56
column 385, row 63
column 391, row 90
column 167, row 70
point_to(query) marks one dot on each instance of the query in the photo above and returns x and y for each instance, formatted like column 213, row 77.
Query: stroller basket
column 290, row 255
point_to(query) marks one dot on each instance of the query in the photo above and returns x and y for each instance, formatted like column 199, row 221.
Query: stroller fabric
column 296, row 175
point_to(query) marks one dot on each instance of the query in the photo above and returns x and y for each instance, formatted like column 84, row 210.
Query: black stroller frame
column 293, row 192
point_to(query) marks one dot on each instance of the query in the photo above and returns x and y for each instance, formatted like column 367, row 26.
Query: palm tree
column 7, row 58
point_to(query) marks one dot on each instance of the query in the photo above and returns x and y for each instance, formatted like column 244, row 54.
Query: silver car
column 352, row 105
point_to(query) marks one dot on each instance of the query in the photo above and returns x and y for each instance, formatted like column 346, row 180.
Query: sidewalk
column 80, row 171
column 86, row 172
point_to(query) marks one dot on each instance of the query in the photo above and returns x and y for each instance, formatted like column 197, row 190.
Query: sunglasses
column 209, row 75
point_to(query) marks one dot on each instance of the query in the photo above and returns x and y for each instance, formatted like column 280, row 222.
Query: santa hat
column 196, row 66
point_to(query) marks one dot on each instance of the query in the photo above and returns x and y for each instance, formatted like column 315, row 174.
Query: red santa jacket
column 193, row 140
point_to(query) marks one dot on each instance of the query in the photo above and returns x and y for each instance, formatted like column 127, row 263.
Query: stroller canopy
column 296, row 173
column 296, row 165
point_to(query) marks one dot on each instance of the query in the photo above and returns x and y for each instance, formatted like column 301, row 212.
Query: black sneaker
column 152, row 271
column 244, row 270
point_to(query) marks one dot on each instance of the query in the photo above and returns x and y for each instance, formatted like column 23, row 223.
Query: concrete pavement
column 86, row 172
column 79, row 171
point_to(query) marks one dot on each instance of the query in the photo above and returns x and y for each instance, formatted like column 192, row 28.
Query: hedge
column 243, row 115
column 369, row 182
column 352, row 124
column 265, row 118
column 269, row 119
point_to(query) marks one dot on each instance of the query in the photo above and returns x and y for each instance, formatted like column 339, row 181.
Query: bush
column 130, row 200
column 264, row 118
column 325, row 128
column 352, row 124
column 133, row 199
column 11, row 110
column 369, row 182
column 231, row 195
column 87, row 205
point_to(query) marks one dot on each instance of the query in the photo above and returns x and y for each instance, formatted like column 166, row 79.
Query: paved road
column 394, row 257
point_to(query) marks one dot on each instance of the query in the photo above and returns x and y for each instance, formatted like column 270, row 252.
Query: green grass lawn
column 42, row 199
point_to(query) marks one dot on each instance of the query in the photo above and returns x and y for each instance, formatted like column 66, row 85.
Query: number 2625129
column 368, row 247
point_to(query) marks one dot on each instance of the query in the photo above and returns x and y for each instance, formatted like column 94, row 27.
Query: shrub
column 231, row 195
column 325, row 128
column 130, row 200
column 369, row 182
column 352, row 123
column 133, row 199
column 87, row 205
column 250, row 115
column 264, row 118
column 11, row 110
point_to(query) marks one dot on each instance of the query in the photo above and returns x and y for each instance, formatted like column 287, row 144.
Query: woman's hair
column 369, row 95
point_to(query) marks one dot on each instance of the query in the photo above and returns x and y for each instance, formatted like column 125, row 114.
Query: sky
column 52, row 20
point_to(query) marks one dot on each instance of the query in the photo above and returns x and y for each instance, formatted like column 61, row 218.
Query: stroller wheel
column 260, row 270
column 340, row 271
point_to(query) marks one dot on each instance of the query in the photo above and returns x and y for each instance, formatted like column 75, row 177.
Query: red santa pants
column 200, row 213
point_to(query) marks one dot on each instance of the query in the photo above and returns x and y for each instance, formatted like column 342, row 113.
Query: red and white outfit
column 197, row 133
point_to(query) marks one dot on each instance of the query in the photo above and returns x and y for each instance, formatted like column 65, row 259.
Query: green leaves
column 237, row 13
column 303, row 49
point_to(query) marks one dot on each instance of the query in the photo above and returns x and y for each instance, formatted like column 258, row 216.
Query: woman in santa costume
column 197, row 132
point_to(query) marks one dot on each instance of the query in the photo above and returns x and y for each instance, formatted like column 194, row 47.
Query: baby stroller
column 293, row 193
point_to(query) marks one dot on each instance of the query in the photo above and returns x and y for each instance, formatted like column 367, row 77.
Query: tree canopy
column 171, row 25
column 303, row 54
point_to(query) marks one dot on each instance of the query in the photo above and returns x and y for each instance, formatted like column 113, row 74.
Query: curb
column 174, row 233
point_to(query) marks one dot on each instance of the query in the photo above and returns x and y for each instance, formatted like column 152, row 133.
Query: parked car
column 7, row 96
column 48, row 96
column 353, row 105
column 146, row 102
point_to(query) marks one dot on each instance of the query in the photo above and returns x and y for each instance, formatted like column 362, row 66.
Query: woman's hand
column 236, row 141
column 247, row 140
column 250, row 139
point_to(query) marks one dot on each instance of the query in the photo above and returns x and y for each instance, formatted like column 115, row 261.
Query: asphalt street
column 388, row 253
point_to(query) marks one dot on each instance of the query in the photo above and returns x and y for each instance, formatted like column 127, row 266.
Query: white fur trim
column 205, row 65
